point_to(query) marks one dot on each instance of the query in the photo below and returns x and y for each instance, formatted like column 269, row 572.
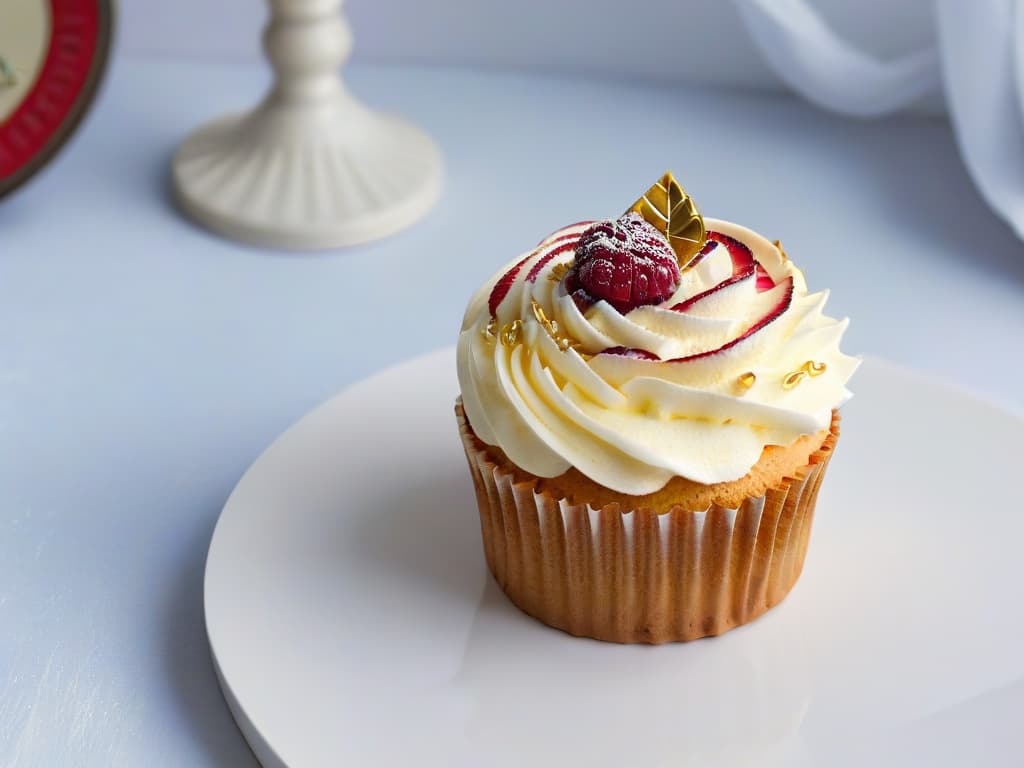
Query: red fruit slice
column 774, row 314
column 737, row 277
column 502, row 287
column 559, row 242
column 708, row 245
column 742, row 256
column 633, row 352
column 565, row 244
column 764, row 280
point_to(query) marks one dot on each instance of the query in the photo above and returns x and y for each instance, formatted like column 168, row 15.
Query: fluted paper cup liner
column 636, row 576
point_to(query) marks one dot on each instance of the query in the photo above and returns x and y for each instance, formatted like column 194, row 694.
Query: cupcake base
column 641, row 575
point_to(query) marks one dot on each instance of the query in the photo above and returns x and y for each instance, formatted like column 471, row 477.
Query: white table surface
column 145, row 363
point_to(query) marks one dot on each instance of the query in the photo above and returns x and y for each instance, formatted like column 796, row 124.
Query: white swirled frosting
column 631, row 420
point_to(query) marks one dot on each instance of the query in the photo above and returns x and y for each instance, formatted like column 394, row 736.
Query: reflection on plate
column 353, row 622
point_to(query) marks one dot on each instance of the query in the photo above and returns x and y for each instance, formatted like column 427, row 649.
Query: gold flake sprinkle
column 559, row 271
column 810, row 368
column 489, row 331
column 782, row 251
column 538, row 312
column 747, row 380
column 794, row 378
column 563, row 341
column 510, row 332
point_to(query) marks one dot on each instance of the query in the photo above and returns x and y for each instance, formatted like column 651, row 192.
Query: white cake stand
column 353, row 622
column 311, row 167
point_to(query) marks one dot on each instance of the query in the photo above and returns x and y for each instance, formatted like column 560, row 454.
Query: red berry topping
column 627, row 262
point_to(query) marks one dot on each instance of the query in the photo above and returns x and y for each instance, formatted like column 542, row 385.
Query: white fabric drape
column 977, row 57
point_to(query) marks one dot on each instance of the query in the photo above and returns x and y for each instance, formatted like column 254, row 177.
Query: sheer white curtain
column 976, row 56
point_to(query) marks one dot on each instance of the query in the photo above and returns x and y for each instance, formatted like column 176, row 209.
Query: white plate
column 353, row 621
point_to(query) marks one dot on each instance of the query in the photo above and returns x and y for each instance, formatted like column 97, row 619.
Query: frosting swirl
column 739, row 357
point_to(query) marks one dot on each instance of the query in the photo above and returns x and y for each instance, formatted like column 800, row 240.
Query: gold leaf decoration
column 673, row 212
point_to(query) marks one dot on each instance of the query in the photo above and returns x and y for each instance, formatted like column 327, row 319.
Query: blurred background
column 699, row 41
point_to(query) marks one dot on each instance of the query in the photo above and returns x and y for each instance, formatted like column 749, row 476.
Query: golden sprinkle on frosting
column 794, row 378
column 810, row 368
column 747, row 380
column 559, row 271
column 542, row 318
column 490, row 330
column 563, row 341
column 782, row 251
column 510, row 332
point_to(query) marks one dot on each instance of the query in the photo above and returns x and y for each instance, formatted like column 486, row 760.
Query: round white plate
column 353, row 621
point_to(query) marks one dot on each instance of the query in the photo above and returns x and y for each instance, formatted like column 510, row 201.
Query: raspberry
column 627, row 262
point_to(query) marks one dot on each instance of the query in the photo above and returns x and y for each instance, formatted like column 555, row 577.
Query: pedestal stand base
column 307, row 176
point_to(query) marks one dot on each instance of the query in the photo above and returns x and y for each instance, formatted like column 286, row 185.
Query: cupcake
column 648, row 407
